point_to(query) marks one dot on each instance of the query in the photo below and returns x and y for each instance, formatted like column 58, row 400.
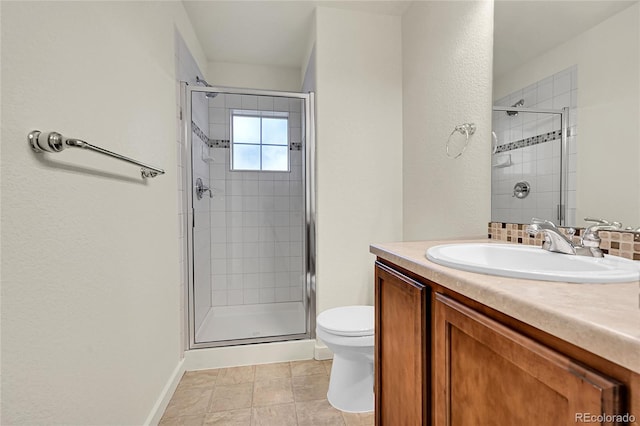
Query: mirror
column 582, row 56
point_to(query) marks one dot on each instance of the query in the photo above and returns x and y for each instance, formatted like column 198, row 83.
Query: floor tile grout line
column 311, row 367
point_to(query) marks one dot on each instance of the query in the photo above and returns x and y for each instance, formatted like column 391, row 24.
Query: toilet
column 348, row 333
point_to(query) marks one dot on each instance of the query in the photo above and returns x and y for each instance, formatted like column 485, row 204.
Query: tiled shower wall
column 534, row 155
column 257, row 218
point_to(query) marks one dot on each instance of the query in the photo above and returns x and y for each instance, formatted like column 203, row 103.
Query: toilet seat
column 350, row 321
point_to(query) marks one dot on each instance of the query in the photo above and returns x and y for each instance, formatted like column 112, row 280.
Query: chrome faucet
column 554, row 240
column 591, row 239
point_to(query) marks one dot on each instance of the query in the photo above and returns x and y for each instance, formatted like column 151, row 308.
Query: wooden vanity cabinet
column 401, row 361
column 445, row 360
column 487, row 374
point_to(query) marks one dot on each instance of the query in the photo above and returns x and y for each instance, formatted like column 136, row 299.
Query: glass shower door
column 249, row 233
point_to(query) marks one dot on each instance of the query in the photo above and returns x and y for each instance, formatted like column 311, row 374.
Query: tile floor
column 282, row 394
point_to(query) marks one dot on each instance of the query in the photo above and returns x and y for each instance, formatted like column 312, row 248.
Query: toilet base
column 351, row 385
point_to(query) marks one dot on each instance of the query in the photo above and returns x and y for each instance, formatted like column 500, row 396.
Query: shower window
column 260, row 140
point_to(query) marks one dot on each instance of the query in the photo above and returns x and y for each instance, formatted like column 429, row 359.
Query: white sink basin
column 534, row 263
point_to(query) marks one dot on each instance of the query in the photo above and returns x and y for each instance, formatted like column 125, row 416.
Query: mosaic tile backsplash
column 623, row 244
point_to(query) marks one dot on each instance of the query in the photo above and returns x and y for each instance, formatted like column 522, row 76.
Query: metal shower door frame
column 309, row 244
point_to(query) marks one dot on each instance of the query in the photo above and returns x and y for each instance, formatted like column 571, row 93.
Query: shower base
column 251, row 321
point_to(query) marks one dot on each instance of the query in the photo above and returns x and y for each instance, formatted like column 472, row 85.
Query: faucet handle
column 597, row 221
column 591, row 237
column 603, row 223
column 535, row 220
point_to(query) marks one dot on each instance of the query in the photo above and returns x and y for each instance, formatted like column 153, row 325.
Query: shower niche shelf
column 206, row 155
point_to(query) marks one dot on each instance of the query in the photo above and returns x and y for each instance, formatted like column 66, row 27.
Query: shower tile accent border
column 533, row 140
column 219, row 143
column 616, row 243
column 225, row 143
column 203, row 137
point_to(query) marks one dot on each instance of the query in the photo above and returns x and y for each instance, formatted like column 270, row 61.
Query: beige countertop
column 601, row 318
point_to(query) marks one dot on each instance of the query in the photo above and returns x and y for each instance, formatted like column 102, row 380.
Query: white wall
column 608, row 60
column 252, row 76
column 359, row 149
column 90, row 276
column 446, row 57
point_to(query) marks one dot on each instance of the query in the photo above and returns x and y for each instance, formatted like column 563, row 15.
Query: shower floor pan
column 251, row 321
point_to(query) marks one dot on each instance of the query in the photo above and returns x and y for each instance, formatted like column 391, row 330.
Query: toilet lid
column 347, row 320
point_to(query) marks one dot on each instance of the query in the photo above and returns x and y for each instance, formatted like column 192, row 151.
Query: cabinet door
column 401, row 341
column 487, row 374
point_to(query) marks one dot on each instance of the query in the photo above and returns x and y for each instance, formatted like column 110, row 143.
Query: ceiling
column 266, row 32
column 270, row 32
column 524, row 30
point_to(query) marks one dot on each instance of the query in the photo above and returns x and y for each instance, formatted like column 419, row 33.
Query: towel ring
column 466, row 129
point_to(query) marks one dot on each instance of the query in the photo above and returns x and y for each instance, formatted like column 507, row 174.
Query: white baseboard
column 235, row 356
column 165, row 396
column 321, row 351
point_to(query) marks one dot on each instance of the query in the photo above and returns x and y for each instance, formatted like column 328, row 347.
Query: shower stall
column 251, row 215
column 534, row 152
column 529, row 171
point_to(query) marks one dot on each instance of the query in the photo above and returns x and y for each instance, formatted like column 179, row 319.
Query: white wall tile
column 545, row 89
column 295, row 294
column 235, row 282
column 282, row 279
column 250, row 235
column 250, row 250
column 218, row 101
column 295, row 105
column 267, row 264
column 250, row 297
column 218, row 131
column 562, row 100
column 281, row 248
column 562, row 83
column 233, row 101
column 249, row 102
column 281, row 264
column 219, row 282
column 235, row 297
column 265, row 103
column 251, row 265
column 268, row 280
column 234, row 266
column 282, row 294
column 251, row 187
column 251, row 281
column 219, row 266
column 218, row 116
column 281, row 104
column 218, row 298
column 267, row 295
column 267, row 249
